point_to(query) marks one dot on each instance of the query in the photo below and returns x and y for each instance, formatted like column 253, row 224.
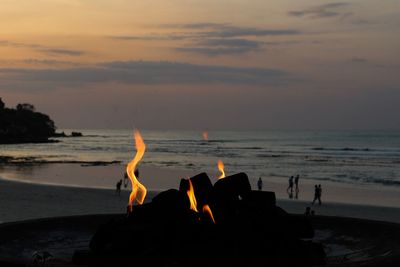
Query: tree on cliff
column 23, row 124
column 2, row 105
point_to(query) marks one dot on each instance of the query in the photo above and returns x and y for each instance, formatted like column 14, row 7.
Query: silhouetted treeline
column 24, row 125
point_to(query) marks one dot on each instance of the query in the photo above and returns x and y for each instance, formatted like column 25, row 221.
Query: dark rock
column 81, row 257
column 225, row 198
column 250, row 230
column 24, row 125
column 234, row 186
column 202, row 187
column 62, row 134
column 172, row 202
column 260, row 199
column 76, row 134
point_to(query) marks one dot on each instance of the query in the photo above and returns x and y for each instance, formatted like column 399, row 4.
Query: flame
column 138, row 190
column 207, row 210
column 192, row 197
column 205, row 136
column 221, row 169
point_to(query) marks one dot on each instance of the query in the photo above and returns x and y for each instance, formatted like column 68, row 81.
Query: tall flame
column 207, row 210
column 192, row 197
column 205, row 136
column 138, row 190
column 221, row 169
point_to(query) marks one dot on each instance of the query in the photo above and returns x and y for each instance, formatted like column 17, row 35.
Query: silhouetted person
column 317, row 194
column 2, row 105
column 290, row 184
column 126, row 177
column 296, row 182
column 259, row 184
column 118, row 187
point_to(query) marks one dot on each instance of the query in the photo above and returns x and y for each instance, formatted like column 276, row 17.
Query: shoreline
column 105, row 176
column 25, row 201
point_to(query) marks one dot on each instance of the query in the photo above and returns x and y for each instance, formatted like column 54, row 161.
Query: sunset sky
column 209, row 64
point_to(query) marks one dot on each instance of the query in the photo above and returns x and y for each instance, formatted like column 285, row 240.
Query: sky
column 209, row 64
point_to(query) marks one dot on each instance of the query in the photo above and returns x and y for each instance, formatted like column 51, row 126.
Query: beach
column 51, row 190
column 39, row 213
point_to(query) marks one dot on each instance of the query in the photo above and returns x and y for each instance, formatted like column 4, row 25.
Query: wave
column 270, row 156
column 371, row 180
column 383, row 181
column 317, row 159
column 48, row 159
column 342, row 149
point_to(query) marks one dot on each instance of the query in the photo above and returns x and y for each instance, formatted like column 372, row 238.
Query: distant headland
column 23, row 124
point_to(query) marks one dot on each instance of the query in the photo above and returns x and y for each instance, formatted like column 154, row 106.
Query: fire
column 192, row 197
column 205, row 136
column 221, row 169
column 207, row 210
column 139, row 192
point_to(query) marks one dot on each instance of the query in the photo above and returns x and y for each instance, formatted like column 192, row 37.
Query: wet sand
column 158, row 179
column 22, row 201
column 29, row 200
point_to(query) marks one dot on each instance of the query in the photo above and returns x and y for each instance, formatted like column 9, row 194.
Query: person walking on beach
column 118, row 187
column 125, row 180
column 259, row 184
column 290, row 185
column 296, row 182
column 126, row 177
column 317, row 194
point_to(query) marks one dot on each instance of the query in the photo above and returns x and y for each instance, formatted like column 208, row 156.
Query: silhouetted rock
column 24, row 125
column 202, row 188
column 166, row 232
column 62, row 134
column 76, row 134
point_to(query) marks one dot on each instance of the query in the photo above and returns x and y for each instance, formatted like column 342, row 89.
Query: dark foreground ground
column 346, row 241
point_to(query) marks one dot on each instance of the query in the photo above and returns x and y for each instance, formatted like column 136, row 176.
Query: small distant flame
column 139, row 192
column 221, row 169
column 207, row 210
column 205, row 136
column 192, row 197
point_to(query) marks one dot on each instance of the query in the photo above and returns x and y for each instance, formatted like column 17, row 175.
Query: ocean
column 355, row 157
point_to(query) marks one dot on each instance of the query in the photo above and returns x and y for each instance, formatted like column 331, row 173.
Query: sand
column 31, row 192
column 30, row 200
column 156, row 179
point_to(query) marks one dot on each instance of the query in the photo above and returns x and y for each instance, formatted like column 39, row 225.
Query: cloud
column 214, row 39
column 156, row 37
column 61, row 51
column 209, row 30
column 43, row 49
column 195, row 26
column 358, row 60
column 214, row 51
column 230, row 42
column 222, row 46
column 276, row 43
column 49, row 62
column 149, row 72
column 323, row 11
column 231, row 31
column 228, row 30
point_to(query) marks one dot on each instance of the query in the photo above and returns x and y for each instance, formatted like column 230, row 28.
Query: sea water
column 358, row 157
